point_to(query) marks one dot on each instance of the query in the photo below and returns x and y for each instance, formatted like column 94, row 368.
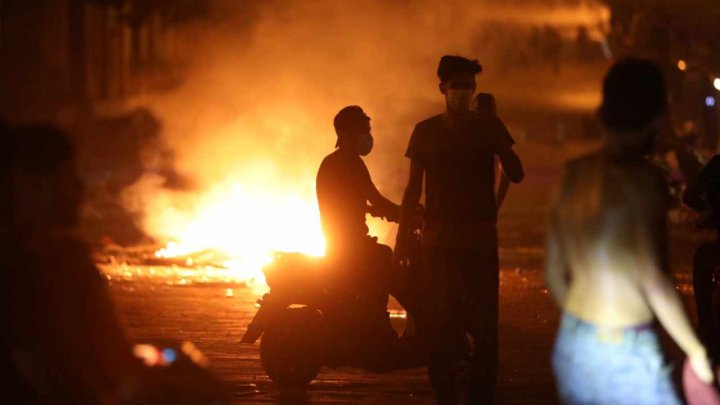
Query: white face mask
column 459, row 100
column 365, row 144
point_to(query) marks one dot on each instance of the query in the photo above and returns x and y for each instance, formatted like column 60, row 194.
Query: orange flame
column 245, row 227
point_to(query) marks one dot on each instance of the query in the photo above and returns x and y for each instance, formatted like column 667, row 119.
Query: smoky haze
column 265, row 81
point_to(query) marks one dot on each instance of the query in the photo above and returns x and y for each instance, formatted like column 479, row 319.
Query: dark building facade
column 56, row 53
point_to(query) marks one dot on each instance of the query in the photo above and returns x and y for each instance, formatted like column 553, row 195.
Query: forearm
column 411, row 199
column 556, row 267
column 667, row 306
column 512, row 166
column 556, row 274
column 389, row 209
column 557, row 286
column 502, row 190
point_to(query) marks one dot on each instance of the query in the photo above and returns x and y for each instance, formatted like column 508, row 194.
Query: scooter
column 305, row 325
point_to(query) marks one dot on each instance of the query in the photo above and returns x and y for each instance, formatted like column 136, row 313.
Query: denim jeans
column 608, row 367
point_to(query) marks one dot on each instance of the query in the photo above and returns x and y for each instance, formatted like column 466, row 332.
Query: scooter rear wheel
column 290, row 349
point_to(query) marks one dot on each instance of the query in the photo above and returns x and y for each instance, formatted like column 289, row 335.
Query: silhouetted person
column 607, row 265
column 694, row 195
column 346, row 194
column 59, row 327
column 484, row 105
column 705, row 196
column 455, row 157
column 13, row 384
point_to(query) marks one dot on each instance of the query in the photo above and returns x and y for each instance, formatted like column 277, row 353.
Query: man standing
column 455, row 156
column 346, row 194
column 607, row 264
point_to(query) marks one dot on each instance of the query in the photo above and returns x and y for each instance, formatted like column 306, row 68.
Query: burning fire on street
column 225, row 236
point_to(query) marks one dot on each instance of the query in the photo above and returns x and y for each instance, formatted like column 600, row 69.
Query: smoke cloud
column 266, row 78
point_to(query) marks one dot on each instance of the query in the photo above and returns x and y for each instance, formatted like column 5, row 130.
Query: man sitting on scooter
column 346, row 194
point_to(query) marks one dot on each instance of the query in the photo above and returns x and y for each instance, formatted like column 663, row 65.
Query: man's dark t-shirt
column 459, row 164
column 343, row 188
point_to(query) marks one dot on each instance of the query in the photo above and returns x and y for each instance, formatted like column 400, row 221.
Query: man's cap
column 348, row 120
column 451, row 65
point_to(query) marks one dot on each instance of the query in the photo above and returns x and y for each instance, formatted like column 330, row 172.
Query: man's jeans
column 620, row 366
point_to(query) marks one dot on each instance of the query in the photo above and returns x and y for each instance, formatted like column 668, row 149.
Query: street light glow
column 716, row 83
column 682, row 65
